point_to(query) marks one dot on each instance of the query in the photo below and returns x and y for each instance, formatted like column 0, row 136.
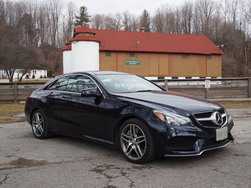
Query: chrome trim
column 60, row 91
column 213, row 119
column 196, row 154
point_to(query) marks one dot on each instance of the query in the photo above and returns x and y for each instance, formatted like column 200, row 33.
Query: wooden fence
column 15, row 92
column 219, row 88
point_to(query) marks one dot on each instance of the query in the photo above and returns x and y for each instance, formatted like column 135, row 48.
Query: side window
column 72, row 85
column 80, row 82
column 60, row 84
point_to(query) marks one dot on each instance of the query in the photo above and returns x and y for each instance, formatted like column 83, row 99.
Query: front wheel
column 136, row 142
column 39, row 125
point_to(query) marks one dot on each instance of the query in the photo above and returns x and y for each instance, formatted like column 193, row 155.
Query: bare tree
column 109, row 23
column 68, row 22
column 15, row 57
column 204, row 10
column 230, row 10
column 98, row 21
column 217, row 26
column 158, row 21
column 27, row 31
column 2, row 11
column 170, row 21
column 186, row 17
column 32, row 59
column 55, row 11
column 52, row 56
column 130, row 22
column 135, row 23
column 42, row 21
column 45, row 26
column 113, row 22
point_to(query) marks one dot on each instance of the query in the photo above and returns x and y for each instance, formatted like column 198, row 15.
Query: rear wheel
column 136, row 142
column 39, row 125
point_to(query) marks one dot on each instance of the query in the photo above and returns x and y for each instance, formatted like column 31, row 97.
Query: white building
column 18, row 73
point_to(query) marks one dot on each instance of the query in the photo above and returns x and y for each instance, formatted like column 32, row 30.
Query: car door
column 82, row 115
column 54, row 102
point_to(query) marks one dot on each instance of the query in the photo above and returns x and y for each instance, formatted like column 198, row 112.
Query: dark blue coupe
column 129, row 112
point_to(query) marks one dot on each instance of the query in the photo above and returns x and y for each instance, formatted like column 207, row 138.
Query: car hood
column 171, row 100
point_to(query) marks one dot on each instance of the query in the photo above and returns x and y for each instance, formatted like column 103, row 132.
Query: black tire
column 136, row 142
column 39, row 125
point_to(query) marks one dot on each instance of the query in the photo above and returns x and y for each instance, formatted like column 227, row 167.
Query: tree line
column 33, row 33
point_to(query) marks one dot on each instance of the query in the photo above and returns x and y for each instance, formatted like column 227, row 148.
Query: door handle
column 64, row 98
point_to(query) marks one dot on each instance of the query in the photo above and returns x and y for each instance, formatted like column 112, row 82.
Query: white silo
column 85, row 55
column 67, row 60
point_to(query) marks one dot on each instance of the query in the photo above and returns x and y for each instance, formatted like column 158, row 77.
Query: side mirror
column 90, row 92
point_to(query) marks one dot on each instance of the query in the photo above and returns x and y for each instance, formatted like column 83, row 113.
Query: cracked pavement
column 68, row 162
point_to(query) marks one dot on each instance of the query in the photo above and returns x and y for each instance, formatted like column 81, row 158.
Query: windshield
column 126, row 83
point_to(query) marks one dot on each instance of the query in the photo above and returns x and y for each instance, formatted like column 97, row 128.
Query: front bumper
column 200, row 146
column 192, row 141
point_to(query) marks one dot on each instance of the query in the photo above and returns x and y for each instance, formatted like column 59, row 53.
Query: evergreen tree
column 83, row 17
column 145, row 21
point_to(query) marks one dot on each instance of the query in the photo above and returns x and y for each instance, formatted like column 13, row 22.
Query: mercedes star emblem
column 218, row 118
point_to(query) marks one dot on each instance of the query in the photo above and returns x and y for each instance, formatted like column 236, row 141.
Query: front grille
column 203, row 115
column 210, row 119
column 222, row 111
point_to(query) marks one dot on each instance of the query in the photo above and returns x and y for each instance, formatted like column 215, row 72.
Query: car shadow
column 82, row 144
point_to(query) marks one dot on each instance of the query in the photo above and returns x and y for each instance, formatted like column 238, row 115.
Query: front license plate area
column 221, row 134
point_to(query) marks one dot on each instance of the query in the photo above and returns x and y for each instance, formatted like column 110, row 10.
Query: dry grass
column 234, row 104
column 8, row 112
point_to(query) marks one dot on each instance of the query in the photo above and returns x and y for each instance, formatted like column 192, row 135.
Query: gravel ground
column 68, row 162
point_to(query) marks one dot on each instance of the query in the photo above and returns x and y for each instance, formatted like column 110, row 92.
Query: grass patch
column 8, row 112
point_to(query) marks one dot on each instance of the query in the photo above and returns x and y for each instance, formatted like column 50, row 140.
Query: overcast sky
column 133, row 6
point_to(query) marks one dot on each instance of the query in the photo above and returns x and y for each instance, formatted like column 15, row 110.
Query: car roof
column 99, row 73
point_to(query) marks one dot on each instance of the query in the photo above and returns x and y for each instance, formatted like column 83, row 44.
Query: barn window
column 108, row 53
column 132, row 54
column 184, row 56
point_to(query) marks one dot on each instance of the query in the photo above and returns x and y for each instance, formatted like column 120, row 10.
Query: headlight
column 172, row 118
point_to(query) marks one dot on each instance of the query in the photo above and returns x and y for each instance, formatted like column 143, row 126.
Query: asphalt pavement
column 68, row 162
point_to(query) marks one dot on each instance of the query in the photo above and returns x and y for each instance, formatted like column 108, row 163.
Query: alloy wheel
column 38, row 124
column 133, row 141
